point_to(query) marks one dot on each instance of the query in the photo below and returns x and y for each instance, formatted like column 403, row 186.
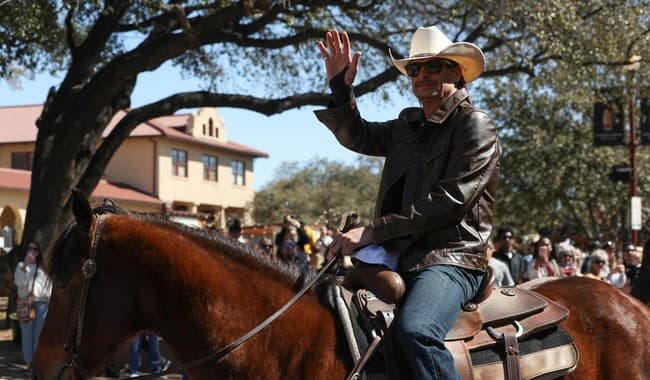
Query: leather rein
column 88, row 271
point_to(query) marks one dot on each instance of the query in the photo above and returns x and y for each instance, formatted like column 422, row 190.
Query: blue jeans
column 433, row 300
column 31, row 330
column 135, row 360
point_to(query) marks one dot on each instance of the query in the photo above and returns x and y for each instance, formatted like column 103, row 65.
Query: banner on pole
column 609, row 117
column 645, row 119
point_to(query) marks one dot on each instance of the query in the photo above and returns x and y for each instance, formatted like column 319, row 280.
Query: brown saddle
column 494, row 320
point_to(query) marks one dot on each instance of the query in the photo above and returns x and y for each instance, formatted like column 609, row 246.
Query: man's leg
column 154, row 352
column 134, row 355
column 433, row 301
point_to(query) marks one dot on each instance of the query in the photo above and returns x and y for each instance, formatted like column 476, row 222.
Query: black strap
column 512, row 356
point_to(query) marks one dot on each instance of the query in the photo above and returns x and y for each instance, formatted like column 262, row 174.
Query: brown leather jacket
column 439, row 181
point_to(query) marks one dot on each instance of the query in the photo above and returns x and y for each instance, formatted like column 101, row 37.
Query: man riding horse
column 434, row 208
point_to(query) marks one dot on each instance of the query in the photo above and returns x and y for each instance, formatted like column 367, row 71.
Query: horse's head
column 73, row 344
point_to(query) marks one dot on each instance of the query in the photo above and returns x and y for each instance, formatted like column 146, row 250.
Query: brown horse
column 201, row 292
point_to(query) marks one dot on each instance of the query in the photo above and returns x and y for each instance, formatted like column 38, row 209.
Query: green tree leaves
column 319, row 191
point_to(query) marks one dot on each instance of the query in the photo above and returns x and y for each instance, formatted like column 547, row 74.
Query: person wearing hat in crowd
column 433, row 214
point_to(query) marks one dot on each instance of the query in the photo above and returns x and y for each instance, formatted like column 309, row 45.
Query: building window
column 21, row 160
column 216, row 129
column 179, row 163
column 209, row 168
column 238, row 172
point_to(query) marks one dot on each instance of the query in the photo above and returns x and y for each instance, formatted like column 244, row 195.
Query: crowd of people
column 295, row 242
column 514, row 259
column 530, row 257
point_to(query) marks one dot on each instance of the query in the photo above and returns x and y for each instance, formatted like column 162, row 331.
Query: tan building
column 183, row 165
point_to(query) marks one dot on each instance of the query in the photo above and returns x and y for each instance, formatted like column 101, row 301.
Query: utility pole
column 631, row 68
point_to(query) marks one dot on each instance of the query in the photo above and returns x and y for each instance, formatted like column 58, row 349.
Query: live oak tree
column 319, row 191
column 553, row 178
column 261, row 55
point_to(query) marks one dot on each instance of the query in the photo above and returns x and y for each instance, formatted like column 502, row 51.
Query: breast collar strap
column 88, row 270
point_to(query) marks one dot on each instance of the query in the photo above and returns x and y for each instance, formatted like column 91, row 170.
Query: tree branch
column 180, row 14
column 87, row 55
column 69, row 33
column 173, row 103
column 165, row 18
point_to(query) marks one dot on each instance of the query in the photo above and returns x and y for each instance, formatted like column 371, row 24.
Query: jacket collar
column 447, row 107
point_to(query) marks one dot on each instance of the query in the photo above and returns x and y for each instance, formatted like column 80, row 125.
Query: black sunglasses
column 433, row 67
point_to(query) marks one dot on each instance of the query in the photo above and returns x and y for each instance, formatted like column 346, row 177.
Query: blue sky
column 294, row 135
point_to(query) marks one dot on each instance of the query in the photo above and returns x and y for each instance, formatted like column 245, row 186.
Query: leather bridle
column 88, row 271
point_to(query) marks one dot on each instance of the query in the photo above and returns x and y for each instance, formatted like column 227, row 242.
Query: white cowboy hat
column 430, row 42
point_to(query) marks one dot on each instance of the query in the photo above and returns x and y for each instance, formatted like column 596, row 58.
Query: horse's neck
column 222, row 299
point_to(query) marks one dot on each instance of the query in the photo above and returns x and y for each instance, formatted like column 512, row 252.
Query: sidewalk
column 12, row 366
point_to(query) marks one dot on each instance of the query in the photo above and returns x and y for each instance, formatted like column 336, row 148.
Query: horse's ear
column 81, row 209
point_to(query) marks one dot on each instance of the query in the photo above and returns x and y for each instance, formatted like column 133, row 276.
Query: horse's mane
column 209, row 239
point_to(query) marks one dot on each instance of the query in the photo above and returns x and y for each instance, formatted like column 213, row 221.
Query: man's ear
column 457, row 74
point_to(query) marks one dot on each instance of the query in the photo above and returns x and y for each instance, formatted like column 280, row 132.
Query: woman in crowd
column 597, row 264
column 30, row 277
column 566, row 260
column 542, row 264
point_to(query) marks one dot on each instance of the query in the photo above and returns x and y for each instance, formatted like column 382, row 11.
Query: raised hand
column 337, row 56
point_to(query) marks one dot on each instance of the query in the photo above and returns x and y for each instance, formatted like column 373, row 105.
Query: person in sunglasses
column 599, row 260
column 433, row 214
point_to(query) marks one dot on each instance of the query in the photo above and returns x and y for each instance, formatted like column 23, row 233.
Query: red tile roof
column 13, row 179
column 19, row 125
column 168, row 126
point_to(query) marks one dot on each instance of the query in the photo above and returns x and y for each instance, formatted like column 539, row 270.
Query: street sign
column 621, row 173
column 635, row 214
